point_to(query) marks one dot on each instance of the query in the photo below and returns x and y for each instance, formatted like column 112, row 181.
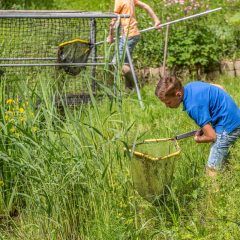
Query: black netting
column 35, row 41
column 75, row 51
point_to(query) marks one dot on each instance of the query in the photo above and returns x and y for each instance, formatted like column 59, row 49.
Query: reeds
column 65, row 175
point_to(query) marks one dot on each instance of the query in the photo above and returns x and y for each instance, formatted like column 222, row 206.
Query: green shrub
column 197, row 43
column 27, row 4
column 193, row 46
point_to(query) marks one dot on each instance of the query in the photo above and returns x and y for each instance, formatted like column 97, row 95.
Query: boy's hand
column 198, row 135
column 197, row 139
column 157, row 25
column 206, row 135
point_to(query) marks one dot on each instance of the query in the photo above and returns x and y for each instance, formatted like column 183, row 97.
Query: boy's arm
column 207, row 134
column 111, row 31
column 117, row 10
column 151, row 13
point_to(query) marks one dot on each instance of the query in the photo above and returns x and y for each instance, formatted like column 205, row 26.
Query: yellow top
column 148, row 157
column 129, row 25
column 73, row 41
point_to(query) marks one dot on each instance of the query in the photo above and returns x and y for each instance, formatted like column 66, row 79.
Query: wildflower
column 22, row 119
column 17, row 135
column 10, row 101
column 13, row 129
column 34, row 129
column 120, row 214
column 129, row 221
column 25, row 104
column 21, row 110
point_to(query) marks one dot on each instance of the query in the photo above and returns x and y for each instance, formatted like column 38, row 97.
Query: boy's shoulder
column 200, row 86
column 195, row 93
column 126, row 2
column 196, row 84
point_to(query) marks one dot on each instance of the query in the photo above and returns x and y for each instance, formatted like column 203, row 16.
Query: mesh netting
column 35, row 41
column 75, row 51
column 29, row 38
column 152, row 167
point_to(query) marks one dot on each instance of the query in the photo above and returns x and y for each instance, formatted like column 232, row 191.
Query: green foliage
column 68, row 176
column 235, row 20
column 192, row 46
column 26, row 4
column 195, row 43
column 83, row 5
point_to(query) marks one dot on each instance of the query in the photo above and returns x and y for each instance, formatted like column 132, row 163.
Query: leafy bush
column 192, row 46
column 198, row 43
column 27, row 4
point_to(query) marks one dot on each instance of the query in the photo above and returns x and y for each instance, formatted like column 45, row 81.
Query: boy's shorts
column 132, row 42
column 219, row 149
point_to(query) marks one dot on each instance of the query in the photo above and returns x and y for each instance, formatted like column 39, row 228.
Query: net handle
column 175, row 138
column 148, row 157
column 173, row 22
column 165, row 52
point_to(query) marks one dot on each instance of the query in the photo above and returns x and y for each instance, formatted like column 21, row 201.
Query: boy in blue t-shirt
column 212, row 109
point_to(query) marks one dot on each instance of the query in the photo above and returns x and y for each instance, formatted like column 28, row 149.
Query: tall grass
column 66, row 175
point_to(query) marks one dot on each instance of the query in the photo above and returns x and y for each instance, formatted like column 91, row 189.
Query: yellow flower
column 21, row 110
column 129, row 221
column 17, row 135
column 13, row 129
column 34, row 129
column 25, row 104
column 22, row 119
column 10, row 101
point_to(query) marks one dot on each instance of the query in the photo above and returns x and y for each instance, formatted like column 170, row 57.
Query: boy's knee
column 126, row 69
column 129, row 82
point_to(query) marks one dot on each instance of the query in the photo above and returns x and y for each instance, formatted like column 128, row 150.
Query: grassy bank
column 67, row 177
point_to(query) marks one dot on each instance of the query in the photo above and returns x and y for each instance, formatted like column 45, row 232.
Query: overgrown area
column 65, row 174
column 69, row 178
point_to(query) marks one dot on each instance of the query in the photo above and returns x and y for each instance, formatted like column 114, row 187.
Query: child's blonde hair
column 167, row 87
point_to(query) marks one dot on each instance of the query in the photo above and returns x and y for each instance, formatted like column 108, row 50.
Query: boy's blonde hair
column 167, row 87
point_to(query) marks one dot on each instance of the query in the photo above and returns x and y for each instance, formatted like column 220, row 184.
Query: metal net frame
column 152, row 166
column 29, row 43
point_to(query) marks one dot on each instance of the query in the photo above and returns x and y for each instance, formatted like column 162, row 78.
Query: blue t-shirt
column 206, row 103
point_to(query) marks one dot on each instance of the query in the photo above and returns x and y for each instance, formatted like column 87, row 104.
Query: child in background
column 129, row 31
column 213, row 110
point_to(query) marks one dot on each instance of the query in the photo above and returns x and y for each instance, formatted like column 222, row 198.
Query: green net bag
column 75, row 51
column 152, row 166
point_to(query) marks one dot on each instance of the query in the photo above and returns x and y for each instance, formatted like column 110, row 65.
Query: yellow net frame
column 152, row 174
